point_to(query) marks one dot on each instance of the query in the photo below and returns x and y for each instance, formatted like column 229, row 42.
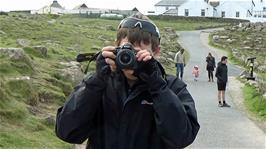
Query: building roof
column 56, row 4
column 82, row 6
column 171, row 12
column 170, row 3
column 135, row 9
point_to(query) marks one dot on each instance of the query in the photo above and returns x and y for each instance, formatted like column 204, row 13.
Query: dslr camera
column 126, row 57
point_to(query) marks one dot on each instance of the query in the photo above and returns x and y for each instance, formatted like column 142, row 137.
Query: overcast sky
column 142, row 5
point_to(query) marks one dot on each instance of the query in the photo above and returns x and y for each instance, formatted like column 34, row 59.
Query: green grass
column 254, row 101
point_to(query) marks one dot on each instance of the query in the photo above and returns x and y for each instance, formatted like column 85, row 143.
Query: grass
column 64, row 37
column 254, row 101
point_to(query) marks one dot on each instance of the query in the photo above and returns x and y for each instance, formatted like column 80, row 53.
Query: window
column 186, row 12
column 264, row 8
column 202, row 12
column 166, row 8
column 223, row 14
column 237, row 14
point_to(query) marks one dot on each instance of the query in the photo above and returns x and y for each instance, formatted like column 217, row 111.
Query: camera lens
column 125, row 58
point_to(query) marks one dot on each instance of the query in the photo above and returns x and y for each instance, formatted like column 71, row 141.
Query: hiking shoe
column 226, row 105
column 220, row 105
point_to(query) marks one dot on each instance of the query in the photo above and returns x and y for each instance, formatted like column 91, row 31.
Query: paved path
column 220, row 127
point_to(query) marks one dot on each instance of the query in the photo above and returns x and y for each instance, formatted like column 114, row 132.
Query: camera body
column 126, row 57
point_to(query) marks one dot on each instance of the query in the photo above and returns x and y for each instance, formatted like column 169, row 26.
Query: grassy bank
column 254, row 101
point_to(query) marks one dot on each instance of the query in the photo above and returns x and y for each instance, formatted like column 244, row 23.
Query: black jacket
column 221, row 73
column 113, row 116
column 210, row 63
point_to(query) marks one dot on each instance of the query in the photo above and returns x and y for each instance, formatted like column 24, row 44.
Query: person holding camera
column 130, row 103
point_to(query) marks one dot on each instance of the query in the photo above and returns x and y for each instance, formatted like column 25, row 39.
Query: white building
column 54, row 8
column 253, row 10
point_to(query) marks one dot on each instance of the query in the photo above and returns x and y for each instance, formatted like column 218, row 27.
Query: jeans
column 179, row 70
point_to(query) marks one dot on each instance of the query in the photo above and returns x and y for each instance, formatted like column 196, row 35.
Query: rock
column 34, row 110
column 41, row 49
column 261, row 68
column 168, row 29
column 23, row 42
column 247, row 48
column 50, row 120
column 229, row 41
column 215, row 38
column 252, row 83
column 13, row 53
column 224, row 37
column 22, row 78
column 72, row 71
column 244, row 74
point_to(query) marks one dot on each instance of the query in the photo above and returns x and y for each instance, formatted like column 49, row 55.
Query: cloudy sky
column 142, row 5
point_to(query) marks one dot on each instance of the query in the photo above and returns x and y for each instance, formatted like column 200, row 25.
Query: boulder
column 72, row 71
column 23, row 42
column 41, row 49
column 13, row 53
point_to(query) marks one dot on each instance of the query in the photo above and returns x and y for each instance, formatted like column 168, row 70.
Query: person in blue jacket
column 137, row 108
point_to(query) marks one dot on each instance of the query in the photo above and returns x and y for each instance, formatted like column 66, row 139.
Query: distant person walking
column 222, row 77
column 210, row 66
column 180, row 63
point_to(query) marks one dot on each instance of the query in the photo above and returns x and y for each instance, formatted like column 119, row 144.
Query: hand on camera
column 105, row 63
column 109, row 56
column 147, row 66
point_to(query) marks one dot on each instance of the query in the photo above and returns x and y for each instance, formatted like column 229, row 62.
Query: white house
column 253, row 10
column 54, row 8
column 195, row 8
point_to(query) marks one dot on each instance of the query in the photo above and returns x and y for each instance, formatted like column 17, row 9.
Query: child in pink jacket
column 195, row 72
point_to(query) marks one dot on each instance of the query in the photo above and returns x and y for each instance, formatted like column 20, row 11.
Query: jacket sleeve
column 75, row 120
column 175, row 114
column 218, row 73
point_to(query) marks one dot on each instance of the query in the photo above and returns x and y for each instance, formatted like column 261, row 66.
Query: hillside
column 38, row 69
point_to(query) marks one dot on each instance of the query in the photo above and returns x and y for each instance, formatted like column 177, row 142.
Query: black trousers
column 210, row 75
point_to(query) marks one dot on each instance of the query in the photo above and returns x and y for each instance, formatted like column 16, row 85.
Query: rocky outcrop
column 41, row 49
column 13, row 53
column 72, row 71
